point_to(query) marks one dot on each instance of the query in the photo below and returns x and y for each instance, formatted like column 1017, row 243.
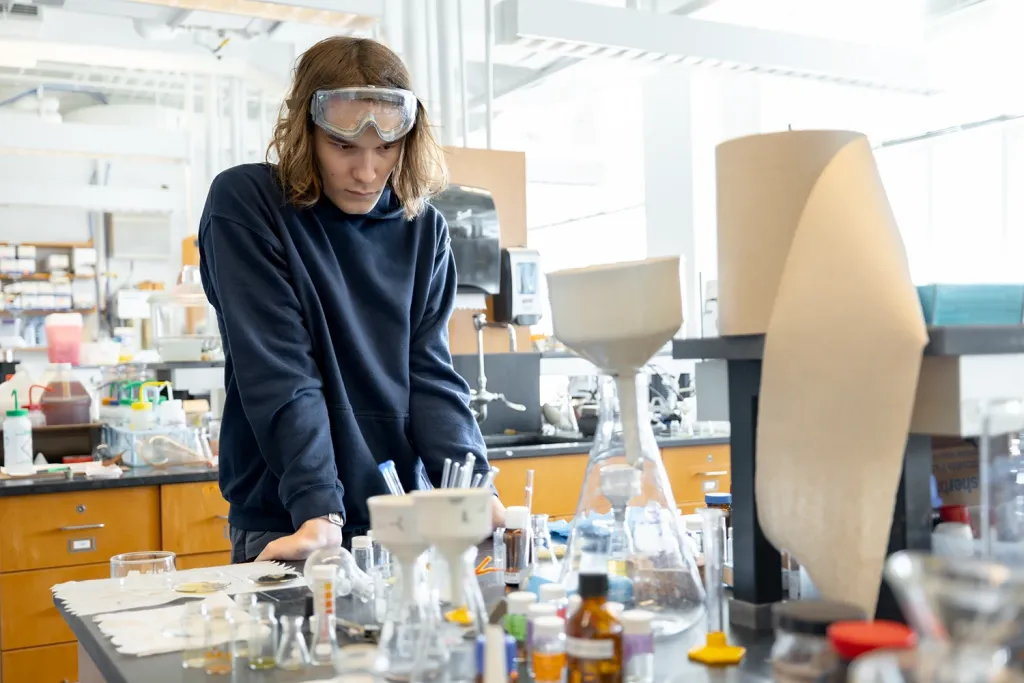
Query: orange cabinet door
column 80, row 527
column 49, row 664
column 194, row 518
column 696, row 470
column 28, row 616
column 557, row 481
column 203, row 560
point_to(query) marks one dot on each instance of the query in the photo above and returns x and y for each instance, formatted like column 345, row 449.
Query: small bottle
column 637, row 646
column 516, row 619
column 262, row 645
column 18, row 458
column 325, row 638
column 362, row 552
column 220, row 653
column 517, row 546
column 593, row 642
column 534, row 612
column 547, row 658
column 554, row 594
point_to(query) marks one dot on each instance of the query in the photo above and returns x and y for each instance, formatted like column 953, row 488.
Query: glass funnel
column 626, row 521
column 967, row 611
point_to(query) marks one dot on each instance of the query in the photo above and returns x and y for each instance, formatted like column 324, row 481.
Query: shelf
column 43, row 277
column 98, row 198
column 12, row 312
column 93, row 141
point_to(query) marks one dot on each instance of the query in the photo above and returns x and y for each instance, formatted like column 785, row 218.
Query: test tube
column 489, row 477
column 362, row 552
column 453, row 481
column 466, row 474
column 446, row 472
column 391, row 478
column 325, row 639
column 714, row 556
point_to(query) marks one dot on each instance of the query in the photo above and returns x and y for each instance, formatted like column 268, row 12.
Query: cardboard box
column 955, row 466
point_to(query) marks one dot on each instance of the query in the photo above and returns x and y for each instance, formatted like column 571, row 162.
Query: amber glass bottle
column 593, row 643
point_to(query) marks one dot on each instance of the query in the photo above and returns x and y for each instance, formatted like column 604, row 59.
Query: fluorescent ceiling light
column 587, row 30
column 283, row 10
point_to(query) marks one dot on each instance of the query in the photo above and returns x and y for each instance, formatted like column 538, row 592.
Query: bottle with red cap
column 851, row 639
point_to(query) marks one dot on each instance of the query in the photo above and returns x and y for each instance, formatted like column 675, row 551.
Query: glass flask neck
column 623, row 413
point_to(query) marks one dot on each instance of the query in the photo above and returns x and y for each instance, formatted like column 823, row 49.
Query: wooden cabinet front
column 28, row 617
column 194, row 518
column 76, row 528
column 48, row 664
column 696, row 470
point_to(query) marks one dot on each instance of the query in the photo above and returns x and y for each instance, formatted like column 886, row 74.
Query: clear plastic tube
column 714, row 557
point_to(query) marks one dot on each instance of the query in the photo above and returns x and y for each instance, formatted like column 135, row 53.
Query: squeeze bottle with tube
column 18, row 441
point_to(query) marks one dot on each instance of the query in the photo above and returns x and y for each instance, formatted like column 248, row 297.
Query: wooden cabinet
column 204, row 560
column 28, row 617
column 558, row 480
column 81, row 527
column 47, row 664
column 194, row 519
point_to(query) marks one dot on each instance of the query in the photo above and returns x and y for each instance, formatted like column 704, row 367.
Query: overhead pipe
column 431, row 63
column 414, row 37
column 446, row 69
column 489, row 64
column 463, row 89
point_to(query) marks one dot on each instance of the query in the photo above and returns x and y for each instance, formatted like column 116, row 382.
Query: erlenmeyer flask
column 626, row 522
column 967, row 612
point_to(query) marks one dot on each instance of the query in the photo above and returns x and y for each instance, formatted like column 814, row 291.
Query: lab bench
column 101, row 662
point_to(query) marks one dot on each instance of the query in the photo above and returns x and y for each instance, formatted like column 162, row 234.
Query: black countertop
column 671, row 662
column 964, row 340
column 140, row 476
column 181, row 474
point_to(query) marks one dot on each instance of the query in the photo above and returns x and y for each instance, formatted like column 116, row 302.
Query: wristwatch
column 335, row 518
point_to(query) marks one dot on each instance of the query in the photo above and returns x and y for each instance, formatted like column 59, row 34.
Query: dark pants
column 247, row 545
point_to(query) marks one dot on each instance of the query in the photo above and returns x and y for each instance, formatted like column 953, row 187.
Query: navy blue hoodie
column 335, row 331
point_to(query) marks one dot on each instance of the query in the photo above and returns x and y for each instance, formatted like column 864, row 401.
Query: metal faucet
column 480, row 398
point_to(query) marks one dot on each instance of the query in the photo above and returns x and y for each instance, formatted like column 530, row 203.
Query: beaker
column 636, row 531
column 292, row 653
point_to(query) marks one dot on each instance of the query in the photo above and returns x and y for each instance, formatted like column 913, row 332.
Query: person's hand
column 497, row 513
column 312, row 535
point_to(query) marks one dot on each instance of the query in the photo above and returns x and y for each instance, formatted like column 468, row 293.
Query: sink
column 519, row 440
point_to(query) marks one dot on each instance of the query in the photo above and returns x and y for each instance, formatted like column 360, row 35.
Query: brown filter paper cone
column 844, row 338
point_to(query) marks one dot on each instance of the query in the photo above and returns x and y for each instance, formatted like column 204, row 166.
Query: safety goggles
column 346, row 113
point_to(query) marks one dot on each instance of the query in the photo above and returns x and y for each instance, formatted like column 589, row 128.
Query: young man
column 333, row 281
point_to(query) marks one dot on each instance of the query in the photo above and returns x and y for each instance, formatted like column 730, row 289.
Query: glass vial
column 292, row 654
column 498, row 554
column 262, row 638
column 516, row 619
column 534, row 612
column 593, row 642
column 219, row 638
column 517, row 547
column 554, row 594
column 547, row 656
column 637, row 646
column 193, row 632
column 324, row 636
column 245, row 604
column 362, row 553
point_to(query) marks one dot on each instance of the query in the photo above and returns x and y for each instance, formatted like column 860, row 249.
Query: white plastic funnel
column 393, row 523
column 453, row 521
column 617, row 316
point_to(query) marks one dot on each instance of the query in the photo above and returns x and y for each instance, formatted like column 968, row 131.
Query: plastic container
column 170, row 414
column 851, row 639
column 547, row 657
column 66, row 401
column 637, row 646
column 21, row 381
column 64, row 337
column 554, row 594
column 18, row 453
column 801, row 651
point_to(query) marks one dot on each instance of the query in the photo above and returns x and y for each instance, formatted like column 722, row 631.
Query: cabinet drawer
column 203, row 560
column 28, row 616
column 82, row 527
column 696, row 470
column 49, row 664
column 194, row 518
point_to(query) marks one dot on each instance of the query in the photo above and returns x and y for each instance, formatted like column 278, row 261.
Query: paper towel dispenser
column 473, row 226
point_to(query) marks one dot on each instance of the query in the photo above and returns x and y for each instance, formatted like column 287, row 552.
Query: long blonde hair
column 345, row 62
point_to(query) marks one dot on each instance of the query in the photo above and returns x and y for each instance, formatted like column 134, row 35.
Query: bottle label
column 583, row 648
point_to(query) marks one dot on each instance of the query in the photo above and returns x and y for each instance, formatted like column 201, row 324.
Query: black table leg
column 757, row 565
column 912, row 516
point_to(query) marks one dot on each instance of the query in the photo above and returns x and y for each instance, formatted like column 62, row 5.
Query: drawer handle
column 713, row 473
column 82, row 527
column 224, row 517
